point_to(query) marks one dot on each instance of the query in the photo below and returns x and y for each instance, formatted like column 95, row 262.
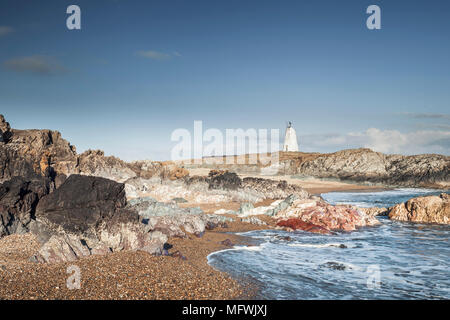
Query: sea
column 394, row 260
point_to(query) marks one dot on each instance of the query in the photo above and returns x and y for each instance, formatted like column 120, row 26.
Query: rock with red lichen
column 299, row 224
column 318, row 215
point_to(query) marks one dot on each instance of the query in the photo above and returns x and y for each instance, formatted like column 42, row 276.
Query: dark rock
column 227, row 242
column 18, row 200
column 87, row 215
column 335, row 266
column 177, row 254
column 82, row 202
column 224, row 180
column 284, row 238
column 5, row 130
column 59, row 180
column 167, row 246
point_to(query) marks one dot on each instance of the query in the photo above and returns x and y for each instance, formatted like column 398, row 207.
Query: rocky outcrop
column 319, row 216
column 88, row 215
column 375, row 211
column 299, row 224
column 218, row 186
column 5, row 129
column 30, row 152
column 224, row 180
column 312, row 214
column 353, row 165
column 18, row 200
column 430, row 209
column 273, row 189
column 173, row 221
column 365, row 165
column 95, row 163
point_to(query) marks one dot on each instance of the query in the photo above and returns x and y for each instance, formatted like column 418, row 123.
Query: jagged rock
column 375, row 211
column 272, row 209
column 5, row 129
column 272, row 189
column 88, row 215
column 27, row 152
column 95, row 163
column 299, row 224
column 254, row 220
column 224, row 180
column 315, row 215
column 81, row 202
column 365, row 165
column 18, row 200
column 30, row 152
column 430, row 209
column 173, row 220
column 245, row 208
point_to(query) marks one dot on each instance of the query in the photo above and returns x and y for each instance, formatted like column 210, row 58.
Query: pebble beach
column 124, row 275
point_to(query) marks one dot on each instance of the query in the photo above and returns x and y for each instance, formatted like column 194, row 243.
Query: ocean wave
column 322, row 245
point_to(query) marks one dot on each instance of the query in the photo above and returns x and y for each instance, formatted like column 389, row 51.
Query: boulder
column 224, row 180
column 430, row 209
column 299, row 224
column 245, row 208
column 5, row 129
column 81, row 203
column 174, row 221
column 254, row 220
column 310, row 214
column 18, row 200
column 88, row 215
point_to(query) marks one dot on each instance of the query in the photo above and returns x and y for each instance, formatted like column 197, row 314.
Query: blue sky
column 137, row 70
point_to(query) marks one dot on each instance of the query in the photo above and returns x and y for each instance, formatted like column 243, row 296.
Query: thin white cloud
column 40, row 65
column 386, row 141
column 5, row 30
column 417, row 115
column 154, row 55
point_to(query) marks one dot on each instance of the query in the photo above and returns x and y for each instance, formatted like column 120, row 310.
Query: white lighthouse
column 290, row 139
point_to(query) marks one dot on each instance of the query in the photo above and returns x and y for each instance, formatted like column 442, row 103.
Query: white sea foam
column 320, row 245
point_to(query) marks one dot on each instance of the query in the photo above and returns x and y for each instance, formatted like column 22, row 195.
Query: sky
column 138, row 70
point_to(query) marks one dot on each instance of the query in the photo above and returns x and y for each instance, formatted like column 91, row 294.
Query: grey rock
column 254, row 220
column 245, row 207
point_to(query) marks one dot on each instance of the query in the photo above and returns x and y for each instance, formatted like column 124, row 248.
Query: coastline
column 135, row 275
column 314, row 186
column 127, row 275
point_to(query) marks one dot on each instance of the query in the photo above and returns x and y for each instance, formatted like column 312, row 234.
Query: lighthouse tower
column 290, row 139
